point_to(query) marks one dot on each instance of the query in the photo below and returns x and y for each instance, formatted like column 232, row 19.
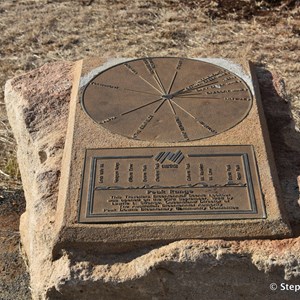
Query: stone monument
column 161, row 149
column 156, row 181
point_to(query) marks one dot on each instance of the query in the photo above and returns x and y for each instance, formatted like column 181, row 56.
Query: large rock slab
column 37, row 106
column 111, row 100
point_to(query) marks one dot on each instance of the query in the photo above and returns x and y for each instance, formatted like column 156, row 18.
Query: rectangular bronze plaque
column 170, row 183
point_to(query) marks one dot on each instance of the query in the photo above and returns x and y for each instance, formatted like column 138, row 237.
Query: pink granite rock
column 37, row 107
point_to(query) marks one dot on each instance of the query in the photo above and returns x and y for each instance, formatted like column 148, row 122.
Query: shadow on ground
column 285, row 141
column 14, row 279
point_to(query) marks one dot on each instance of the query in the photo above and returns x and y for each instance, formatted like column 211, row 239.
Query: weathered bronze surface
column 167, row 99
column 171, row 183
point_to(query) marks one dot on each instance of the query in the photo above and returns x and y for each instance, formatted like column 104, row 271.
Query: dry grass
column 40, row 31
column 36, row 32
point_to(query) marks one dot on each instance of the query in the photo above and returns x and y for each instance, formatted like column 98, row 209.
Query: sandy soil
column 36, row 32
column 14, row 280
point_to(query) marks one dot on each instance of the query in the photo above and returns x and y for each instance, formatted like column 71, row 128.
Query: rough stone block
column 248, row 138
column 37, row 105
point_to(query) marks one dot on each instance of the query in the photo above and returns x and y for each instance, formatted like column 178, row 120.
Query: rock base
column 37, row 106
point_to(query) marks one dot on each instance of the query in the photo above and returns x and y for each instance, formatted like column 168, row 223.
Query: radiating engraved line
column 120, row 88
column 204, row 125
column 178, row 67
column 208, row 98
column 151, row 65
column 214, row 76
column 172, row 108
column 148, row 120
column 133, row 71
column 132, row 110
column 157, row 80
column 161, row 84
column 140, row 92
column 183, row 91
column 150, row 84
column 151, row 70
column 159, row 106
column 183, row 110
column 172, row 82
column 135, row 109
column 213, row 86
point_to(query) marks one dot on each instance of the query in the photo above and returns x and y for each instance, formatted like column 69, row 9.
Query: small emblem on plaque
column 175, row 157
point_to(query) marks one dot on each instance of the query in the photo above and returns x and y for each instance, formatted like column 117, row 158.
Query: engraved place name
column 142, row 126
column 218, row 86
column 108, row 120
column 179, row 64
column 170, row 184
column 226, row 91
column 150, row 66
column 207, row 127
column 207, row 79
column 106, row 85
column 237, row 99
column 181, row 128
column 131, row 69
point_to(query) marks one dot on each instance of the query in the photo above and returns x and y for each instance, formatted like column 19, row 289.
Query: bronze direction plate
column 171, row 183
column 167, row 99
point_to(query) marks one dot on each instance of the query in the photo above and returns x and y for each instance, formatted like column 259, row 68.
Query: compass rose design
column 167, row 99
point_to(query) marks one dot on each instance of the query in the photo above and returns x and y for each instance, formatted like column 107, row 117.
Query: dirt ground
column 40, row 31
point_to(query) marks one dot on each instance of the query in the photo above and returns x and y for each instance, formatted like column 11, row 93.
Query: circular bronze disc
column 167, row 99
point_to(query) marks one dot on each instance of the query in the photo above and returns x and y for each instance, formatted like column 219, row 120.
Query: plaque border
column 245, row 158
